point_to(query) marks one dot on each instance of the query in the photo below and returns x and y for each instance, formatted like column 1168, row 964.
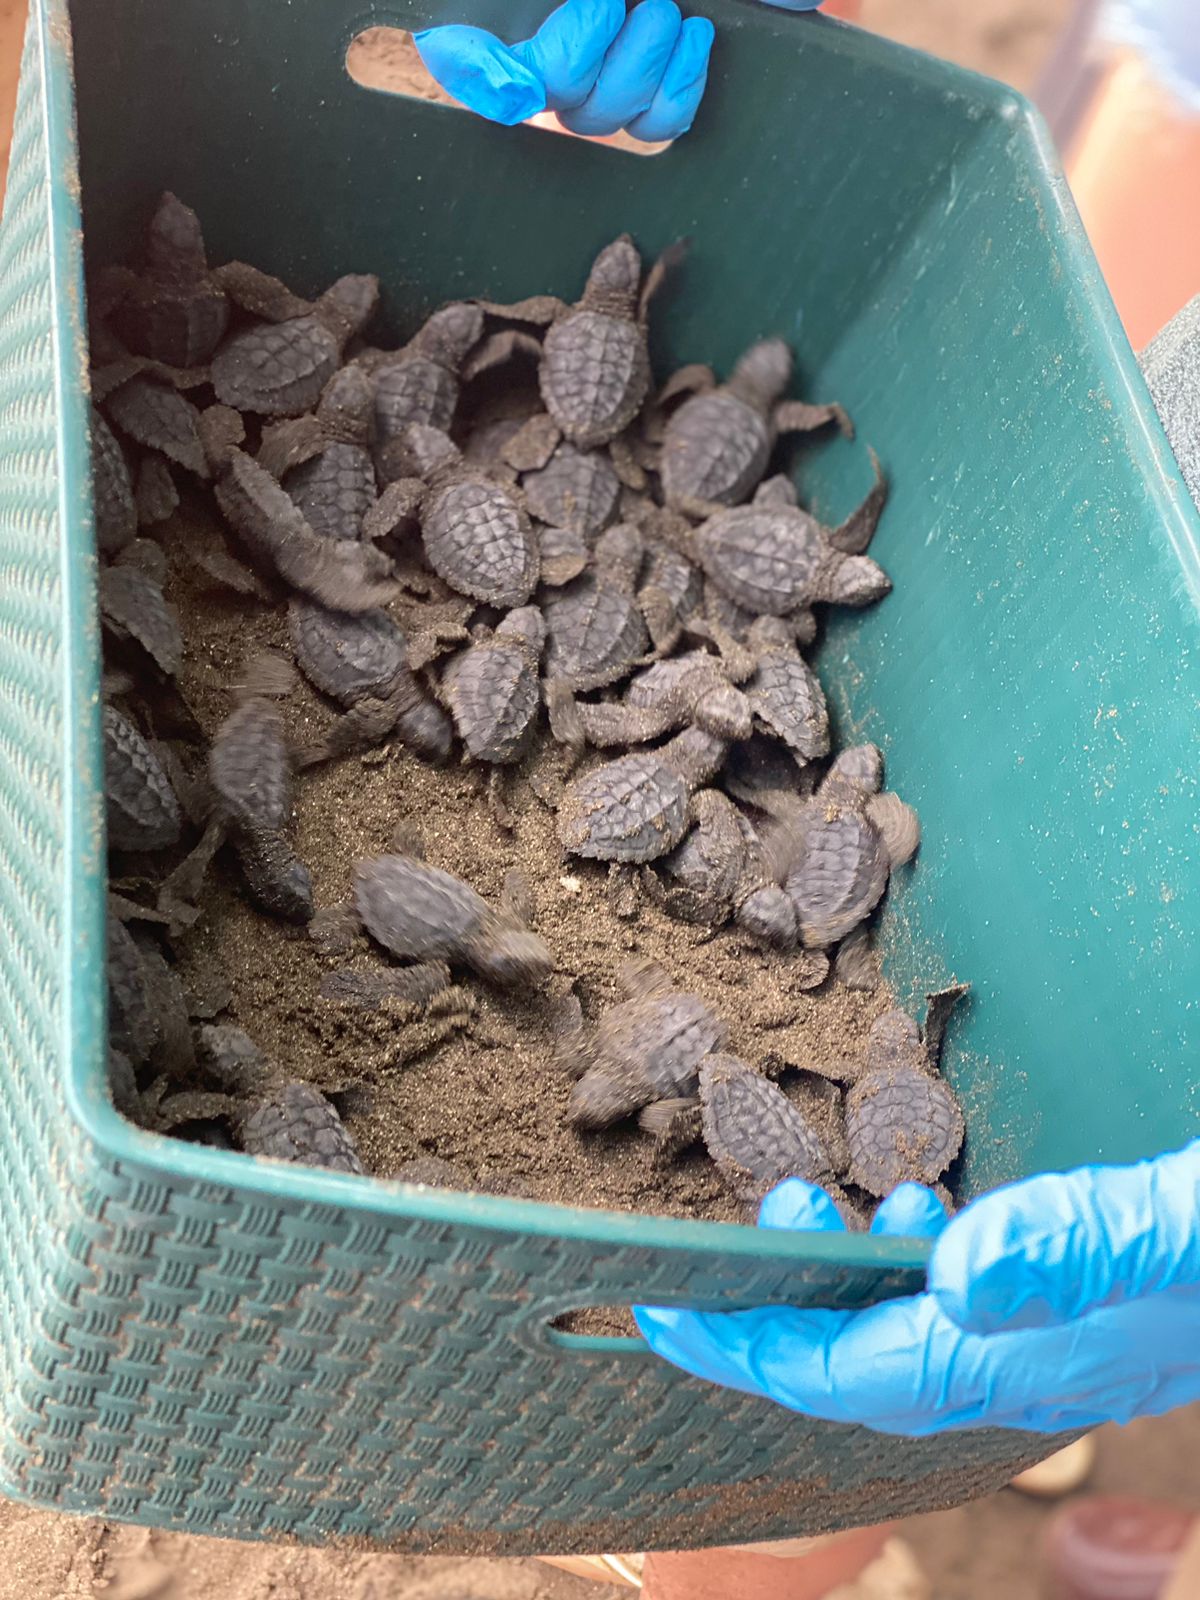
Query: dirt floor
column 982, row 1552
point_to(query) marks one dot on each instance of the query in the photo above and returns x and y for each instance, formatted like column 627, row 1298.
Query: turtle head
column 857, row 581
column 174, row 242
column 349, row 304
column 894, row 1041
column 762, row 375
column 770, row 916
column 615, row 280
column 513, row 958
column 725, row 711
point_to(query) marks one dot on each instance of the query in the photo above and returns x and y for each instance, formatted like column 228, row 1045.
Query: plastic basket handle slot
column 386, row 60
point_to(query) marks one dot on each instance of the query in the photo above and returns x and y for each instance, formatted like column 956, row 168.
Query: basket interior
column 1034, row 677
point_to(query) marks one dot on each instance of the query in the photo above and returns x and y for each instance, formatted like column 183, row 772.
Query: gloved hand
column 598, row 68
column 1054, row 1304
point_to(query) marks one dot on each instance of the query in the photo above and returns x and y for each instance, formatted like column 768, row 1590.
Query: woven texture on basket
column 246, row 1355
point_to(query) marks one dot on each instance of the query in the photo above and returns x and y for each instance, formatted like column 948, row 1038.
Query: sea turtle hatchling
column 638, row 807
column 270, row 1113
column 773, row 558
column 595, row 630
column 577, row 489
column 477, row 534
column 717, row 445
column 688, row 690
column 647, row 1049
column 421, row 913
column 903, row 1123
column 173, row 310
column 420, row 383
column 847, row 840
column 360, row 661
column 324, row 460
column 342, row 575
column 493, row 690
column 142, row 807
column 754, row 1133
column 250, row 770
column 279, row 368
column 594, row 372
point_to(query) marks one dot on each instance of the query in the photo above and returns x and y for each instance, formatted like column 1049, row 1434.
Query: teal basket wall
column 192, row 1340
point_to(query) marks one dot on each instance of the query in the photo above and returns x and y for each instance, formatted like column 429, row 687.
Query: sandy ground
column 982, row 1552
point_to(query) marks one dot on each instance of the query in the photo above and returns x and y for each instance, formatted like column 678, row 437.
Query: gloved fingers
column 1057, row 1246
column 912, row 1211
column 797, row 1204
column 483, row 74
column 674, row 107
column 632, row 70
column 568, row 50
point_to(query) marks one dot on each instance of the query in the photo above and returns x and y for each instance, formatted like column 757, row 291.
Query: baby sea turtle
column 717, row 445
column 698, row 881
column 420, row 383
column 173, row 311
column 773, row 558
column 142, row 807
column 360, row 661
column 903, row 1123
column 493, row 690
column 688, row 690
column 638, row 807
column 595, row 364
column 477, row 535
column 754, row 1133
column 324, row 461
column 595, row 631
column 577, row 489
column 250, row 771
column 847, row 841
column 647, row 1049
column 420, row 913
column 342, row 575
column 271, row 1113
column 112, row 488
column 278, row 369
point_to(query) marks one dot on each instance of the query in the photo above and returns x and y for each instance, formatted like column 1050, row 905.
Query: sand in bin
column 490, row 1096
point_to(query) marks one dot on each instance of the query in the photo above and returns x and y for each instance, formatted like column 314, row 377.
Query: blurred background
column 1122, row 100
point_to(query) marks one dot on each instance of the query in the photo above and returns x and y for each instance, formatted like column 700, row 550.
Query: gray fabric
column 1171, row 362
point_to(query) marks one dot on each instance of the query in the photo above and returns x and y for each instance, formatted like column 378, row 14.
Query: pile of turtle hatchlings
column 619, row 559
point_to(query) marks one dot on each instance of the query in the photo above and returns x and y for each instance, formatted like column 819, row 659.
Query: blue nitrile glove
column 1055, row 1304
column 599, row 68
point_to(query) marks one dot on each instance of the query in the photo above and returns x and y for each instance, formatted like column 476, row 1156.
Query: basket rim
column 114, row 1139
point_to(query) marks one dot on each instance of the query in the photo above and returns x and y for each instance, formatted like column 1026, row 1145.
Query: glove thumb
column 481, row 73
column 1055, row 1247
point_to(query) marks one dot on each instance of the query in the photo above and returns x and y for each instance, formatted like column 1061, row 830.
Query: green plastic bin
column 192, row 1340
